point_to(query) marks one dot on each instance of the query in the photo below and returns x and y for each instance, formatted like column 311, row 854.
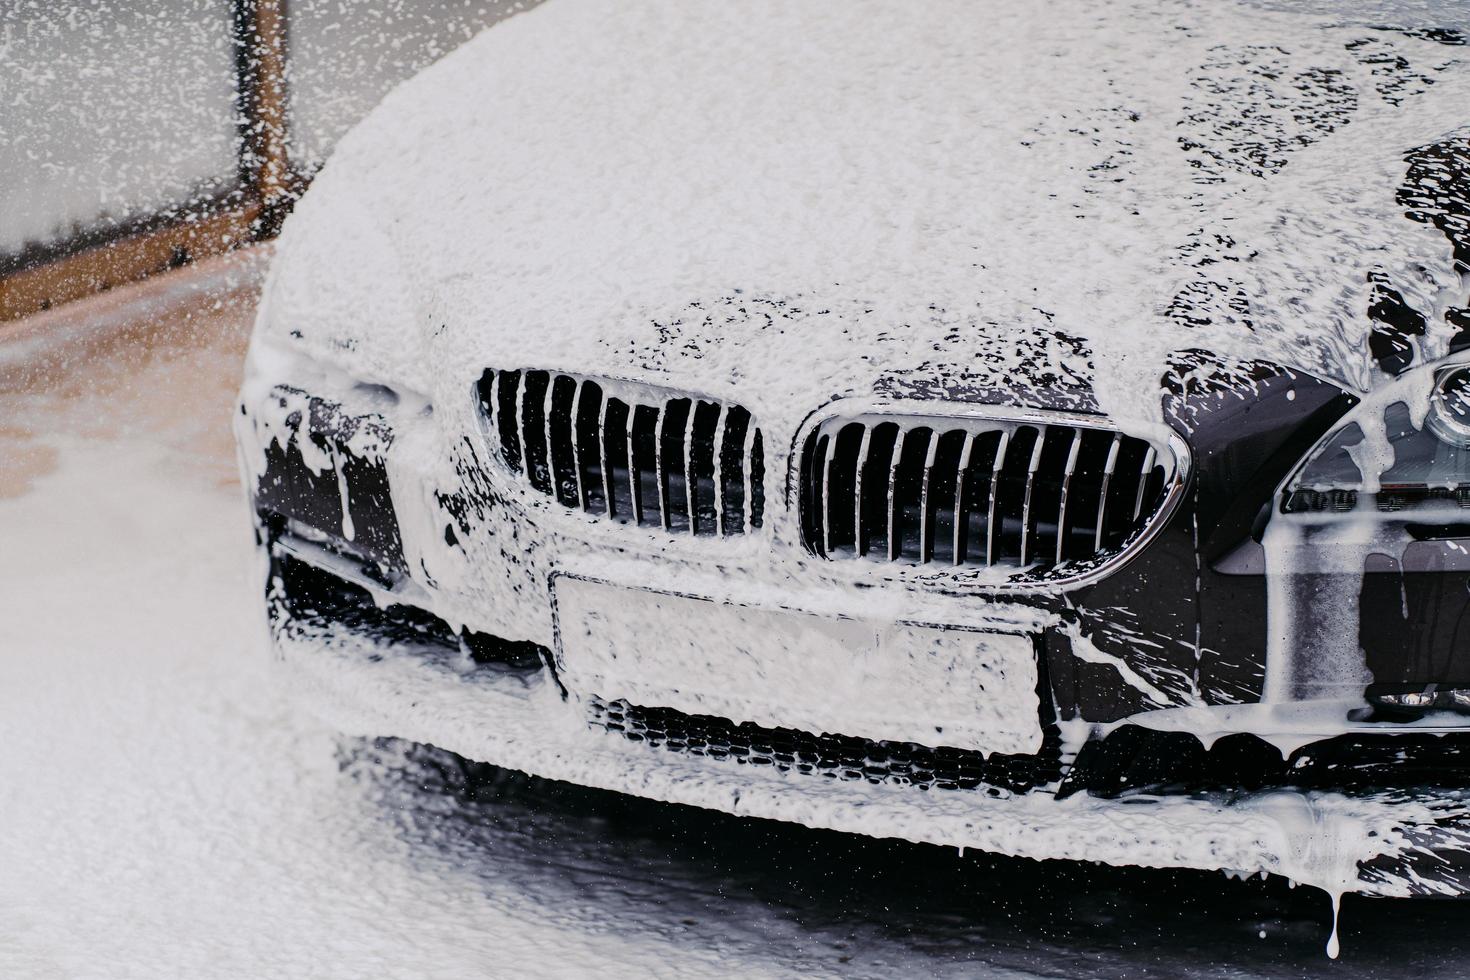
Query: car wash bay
column 166, row 814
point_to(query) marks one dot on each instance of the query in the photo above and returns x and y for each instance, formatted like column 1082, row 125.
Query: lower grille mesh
column 839, row 757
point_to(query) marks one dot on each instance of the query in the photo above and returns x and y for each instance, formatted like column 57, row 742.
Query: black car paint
column 1247, row 426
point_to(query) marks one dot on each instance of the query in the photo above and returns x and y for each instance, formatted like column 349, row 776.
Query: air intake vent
column 839, row 757
column 1021, row 494
column 629, row 452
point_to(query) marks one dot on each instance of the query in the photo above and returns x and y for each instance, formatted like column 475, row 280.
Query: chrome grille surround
column 1042, row 497
column 629, row 452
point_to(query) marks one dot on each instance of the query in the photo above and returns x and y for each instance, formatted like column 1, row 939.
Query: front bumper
column 399, row 672
column 418, row 531
column 1393, row 843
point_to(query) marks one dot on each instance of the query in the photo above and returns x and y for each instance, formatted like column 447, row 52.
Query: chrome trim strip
column 926, row 542
column 1102, row 496
column 1150, row 459
column 603, row 459
column 1072, row 453
column 689, row 500
column 659, row 475
column 521, row 426
column 1032, row 465
column 576, row 450
column 546, row 433
column 719, row 449
column 1000, row 460
column 893, row 549
column 635, row 480
column 748, row 462
column 957, row 554
column 859, row 542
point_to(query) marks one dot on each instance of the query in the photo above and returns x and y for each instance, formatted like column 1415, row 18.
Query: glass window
column 111, row 111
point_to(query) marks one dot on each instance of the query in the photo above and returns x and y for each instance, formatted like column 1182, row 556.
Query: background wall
column 111, row 111
column 138, row 134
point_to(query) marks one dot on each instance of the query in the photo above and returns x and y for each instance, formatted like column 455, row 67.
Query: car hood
column 785, row 203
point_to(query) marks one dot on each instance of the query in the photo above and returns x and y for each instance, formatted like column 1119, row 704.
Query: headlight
column 1366, row 556
column 1449, row 407
column 1404, row 449
column 320, row 476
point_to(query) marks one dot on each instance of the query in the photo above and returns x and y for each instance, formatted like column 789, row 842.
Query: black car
column 1034, row 428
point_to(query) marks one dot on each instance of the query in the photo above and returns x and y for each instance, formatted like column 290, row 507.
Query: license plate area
column 932, row 685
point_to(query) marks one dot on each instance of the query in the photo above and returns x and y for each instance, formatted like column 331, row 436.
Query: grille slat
column 752, row 480
column 702, row 467
column 674, row 445
column 1081, row 487
column 635, row 483
column 1102, row 496
column 660, row 475
column 960, row 492
column 910, row 492
column 944, row 477
column 645, row 456
column 873, row 513
column 604, row 461
column 926, row 517
column 576, row 450
column 535, row 444
column 894, row 460
column 961, row 525
column 507, row 428
column 733, row 489
column 627, row 452
column 621, row 463
column 1143, row 479
column 589, row 458
column 528, row 425
column 490, row 406
column 719, row 445
column 561, row 400
column 859, row 539
column 690, row 510
column 829, row 455
column 999, row 465
column 1031, row 468
column 1072, row 452
column 546, row 408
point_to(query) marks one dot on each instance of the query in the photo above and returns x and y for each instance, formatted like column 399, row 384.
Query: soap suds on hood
column 876, row 184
